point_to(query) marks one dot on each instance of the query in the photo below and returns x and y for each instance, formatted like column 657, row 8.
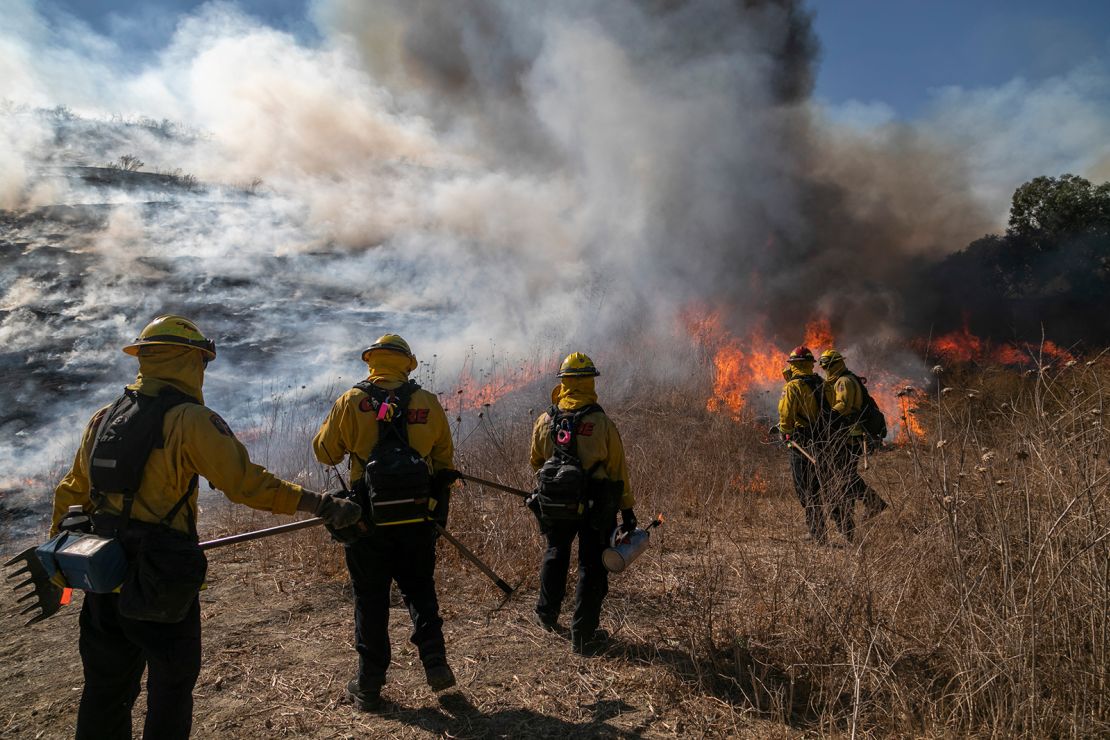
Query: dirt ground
column 278, row 653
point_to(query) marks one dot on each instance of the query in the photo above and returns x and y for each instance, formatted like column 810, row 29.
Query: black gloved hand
column 444, row 478
column 628, row 521
column 336, row 512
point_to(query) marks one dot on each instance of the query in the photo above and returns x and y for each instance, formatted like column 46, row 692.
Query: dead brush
column 976, row 605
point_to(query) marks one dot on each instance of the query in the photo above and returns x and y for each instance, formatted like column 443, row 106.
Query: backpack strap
column 398, row 425
column 168, row 397
column 558, row 415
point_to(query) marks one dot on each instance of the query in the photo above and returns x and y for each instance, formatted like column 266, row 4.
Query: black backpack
column 397, row 483
column 561, row 482
column 817, row 386
column 128, row 432
column 870, row 419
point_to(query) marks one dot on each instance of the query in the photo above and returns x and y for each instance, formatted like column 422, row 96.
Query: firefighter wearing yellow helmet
column 582, row 481
column 395, row 438
column 136, row 473
column 800, row 425
column 844, row 396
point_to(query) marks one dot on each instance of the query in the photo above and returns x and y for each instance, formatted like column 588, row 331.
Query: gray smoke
column 489, row 177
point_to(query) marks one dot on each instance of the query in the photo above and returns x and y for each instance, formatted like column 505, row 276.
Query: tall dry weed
column 977, row 605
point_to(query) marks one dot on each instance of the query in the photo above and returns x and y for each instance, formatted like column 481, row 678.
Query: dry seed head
column 937, row 369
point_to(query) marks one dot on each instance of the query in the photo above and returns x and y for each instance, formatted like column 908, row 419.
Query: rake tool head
column 47, row 597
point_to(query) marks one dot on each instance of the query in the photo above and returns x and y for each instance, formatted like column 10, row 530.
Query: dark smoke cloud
column 703, row 108
column 549, row 176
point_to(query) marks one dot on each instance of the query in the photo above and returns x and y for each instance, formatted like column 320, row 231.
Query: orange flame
column 961, row 346
column 745, row 367
column 476, row 389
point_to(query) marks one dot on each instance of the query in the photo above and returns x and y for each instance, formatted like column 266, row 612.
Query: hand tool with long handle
column 260, row 533
column 801, row 450
column 466, row 553
column 498, row 486
column 49, row 598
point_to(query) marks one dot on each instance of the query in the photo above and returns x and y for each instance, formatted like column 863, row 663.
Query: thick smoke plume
column 542, row 177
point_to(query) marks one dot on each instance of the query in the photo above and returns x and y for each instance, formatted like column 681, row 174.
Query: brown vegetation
column 977, row 605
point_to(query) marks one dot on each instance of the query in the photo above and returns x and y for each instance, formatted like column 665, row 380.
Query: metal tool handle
column 260, row 533
column 466, row 553
column 498, row 486
column 802, row 450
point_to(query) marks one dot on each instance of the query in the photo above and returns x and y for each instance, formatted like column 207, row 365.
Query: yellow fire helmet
column 391, row 343
column 830, row 356
column 176, row 331
column 577, row 365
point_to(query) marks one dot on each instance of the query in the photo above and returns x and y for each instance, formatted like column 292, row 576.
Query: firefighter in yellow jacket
column 800, row 426
column 157, row 627
column 582, row 480
column 398, row 446
column 844, row 485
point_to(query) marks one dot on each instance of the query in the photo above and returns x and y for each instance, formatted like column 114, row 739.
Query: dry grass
column 976, row 606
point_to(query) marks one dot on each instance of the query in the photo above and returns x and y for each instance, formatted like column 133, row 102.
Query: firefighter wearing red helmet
column 799, row 421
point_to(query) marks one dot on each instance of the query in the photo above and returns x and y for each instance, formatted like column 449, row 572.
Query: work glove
column 627, row 526
column 443, row 479
column 336, row 512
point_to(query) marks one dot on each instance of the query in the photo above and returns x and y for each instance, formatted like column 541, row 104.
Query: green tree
column 1046, row 210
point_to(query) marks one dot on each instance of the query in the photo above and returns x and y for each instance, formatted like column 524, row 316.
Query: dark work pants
column 808, row 488
column 114, row 651
column 845, row 486
column 593, row 579
column 405, row 553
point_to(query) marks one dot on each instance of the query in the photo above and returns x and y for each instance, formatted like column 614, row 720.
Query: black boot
column 440, row 676
column 367, row 698
column 589, row 645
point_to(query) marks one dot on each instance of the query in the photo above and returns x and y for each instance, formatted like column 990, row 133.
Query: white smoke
column 548, row 177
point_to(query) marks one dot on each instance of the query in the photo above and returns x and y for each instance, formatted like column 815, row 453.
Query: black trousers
column 405, row 553
column 114, row 652
column 808, row 488
column 593, row 579
column 844, row 484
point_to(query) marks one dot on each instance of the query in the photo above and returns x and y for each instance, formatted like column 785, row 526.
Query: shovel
column 49, row 598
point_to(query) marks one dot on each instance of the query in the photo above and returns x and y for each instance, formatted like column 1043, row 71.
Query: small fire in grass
column 961, row 346
column 477, row 389
column 749, row 366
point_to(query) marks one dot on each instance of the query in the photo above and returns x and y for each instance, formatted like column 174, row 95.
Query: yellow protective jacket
column 351, row 428
column 844, row 394
column 797, row 404
column 196, row 441
column 598, row 438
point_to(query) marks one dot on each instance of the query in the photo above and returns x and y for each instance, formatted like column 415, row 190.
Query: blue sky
column 898, row 51
column 894, row 52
